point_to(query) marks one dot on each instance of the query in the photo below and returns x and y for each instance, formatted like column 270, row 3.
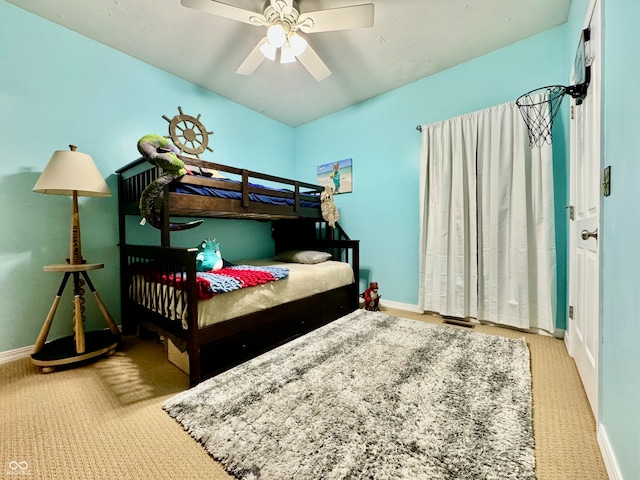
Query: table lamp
column 74, row 174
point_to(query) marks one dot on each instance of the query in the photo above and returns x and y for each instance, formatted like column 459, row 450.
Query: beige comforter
column 304, row 280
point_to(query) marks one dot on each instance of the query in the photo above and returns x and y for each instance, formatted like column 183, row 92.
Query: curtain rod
column 419, row 128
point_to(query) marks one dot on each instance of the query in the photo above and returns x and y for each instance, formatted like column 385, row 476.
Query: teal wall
column 619, row 384
column 380, row 135
column 620, row 355
column 112, row 99
column 59, row 88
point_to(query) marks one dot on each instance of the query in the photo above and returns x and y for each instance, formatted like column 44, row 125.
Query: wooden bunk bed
column 293, row 208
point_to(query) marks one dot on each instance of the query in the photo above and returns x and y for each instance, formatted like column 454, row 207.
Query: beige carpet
column 104, row 420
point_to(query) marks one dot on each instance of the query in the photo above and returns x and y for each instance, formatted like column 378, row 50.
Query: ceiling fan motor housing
column 287, row 15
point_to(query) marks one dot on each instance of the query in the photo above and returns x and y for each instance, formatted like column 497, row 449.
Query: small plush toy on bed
column 209, row 257
column 328, row 207
column 371, row 297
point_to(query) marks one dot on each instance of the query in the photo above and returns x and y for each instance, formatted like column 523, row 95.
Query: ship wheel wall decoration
column 188, row 133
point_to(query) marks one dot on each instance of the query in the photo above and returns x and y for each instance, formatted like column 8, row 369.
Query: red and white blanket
column 210, row 284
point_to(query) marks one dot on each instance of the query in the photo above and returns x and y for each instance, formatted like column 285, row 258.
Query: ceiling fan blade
column 312, row 62
column 344, row 18
column 223, row 10
column 253, row 60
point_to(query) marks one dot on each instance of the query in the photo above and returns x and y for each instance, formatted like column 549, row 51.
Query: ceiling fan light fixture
column 268, row 50
column 277, row 35
column 297, row 43
column 283, row 20
column 287, row 55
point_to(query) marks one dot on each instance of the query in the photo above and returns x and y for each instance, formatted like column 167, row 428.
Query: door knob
column 585, row 234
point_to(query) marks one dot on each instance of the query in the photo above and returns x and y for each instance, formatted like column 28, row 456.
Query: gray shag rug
column 370, row 396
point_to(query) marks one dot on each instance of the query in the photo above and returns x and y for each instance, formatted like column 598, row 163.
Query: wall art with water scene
column 337, row 175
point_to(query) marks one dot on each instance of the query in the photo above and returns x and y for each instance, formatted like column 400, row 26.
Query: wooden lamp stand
column 82, row 345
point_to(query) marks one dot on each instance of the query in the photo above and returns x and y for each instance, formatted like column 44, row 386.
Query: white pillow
column 303, row 256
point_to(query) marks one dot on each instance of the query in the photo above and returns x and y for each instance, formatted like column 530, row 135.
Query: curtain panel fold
column 487, row 233
column 448, row 247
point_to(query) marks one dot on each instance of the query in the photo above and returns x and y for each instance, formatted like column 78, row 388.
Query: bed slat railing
column 326, row 232
column 347, row 251
column 136, row 176
column 311, row 234
column 161, row 284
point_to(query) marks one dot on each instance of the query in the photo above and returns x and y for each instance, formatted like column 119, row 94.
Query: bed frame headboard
column 310, row 234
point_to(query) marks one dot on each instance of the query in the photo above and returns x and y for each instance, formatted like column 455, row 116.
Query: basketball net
column 539, row 109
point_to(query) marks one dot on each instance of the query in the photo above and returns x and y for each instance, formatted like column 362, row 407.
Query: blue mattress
column 235, row 195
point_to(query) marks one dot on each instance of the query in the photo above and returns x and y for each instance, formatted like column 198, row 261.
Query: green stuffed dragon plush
column 162, row 153
column 209, row 257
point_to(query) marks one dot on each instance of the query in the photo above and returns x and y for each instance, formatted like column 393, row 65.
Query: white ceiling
column 410, row 40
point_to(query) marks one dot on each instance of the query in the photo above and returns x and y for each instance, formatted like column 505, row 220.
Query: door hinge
column 606, row 182
column 572, row 210
column 571, row 312
column 573, row 113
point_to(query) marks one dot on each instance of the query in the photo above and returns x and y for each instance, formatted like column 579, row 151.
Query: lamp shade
column 69, row 171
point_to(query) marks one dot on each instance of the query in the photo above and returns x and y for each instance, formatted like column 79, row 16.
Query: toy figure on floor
column 160, row 152
column 371, row 298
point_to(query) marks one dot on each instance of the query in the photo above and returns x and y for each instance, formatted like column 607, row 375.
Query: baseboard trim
column 17, row 354
column 608, row 456
column 400, row 306
column 568, row 338
column 567, row 344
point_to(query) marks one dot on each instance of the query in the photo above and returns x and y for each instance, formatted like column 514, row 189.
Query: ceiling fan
column 284, row 23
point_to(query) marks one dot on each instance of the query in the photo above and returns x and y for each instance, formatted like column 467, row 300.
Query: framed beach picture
column 337, row 175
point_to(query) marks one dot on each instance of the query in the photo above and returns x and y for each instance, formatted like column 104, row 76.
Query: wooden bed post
column 165, row 233
column 245, row 188
column 128, row 323
column 193, row 342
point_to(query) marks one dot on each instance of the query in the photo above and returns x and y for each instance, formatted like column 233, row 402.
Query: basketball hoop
column 539, row 108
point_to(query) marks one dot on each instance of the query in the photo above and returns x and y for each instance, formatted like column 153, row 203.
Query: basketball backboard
column 581, row 70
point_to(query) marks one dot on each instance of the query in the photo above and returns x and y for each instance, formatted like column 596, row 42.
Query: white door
column 586, row 190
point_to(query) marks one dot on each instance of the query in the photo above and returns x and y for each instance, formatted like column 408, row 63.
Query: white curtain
column 448, row 259
column 487, row 221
